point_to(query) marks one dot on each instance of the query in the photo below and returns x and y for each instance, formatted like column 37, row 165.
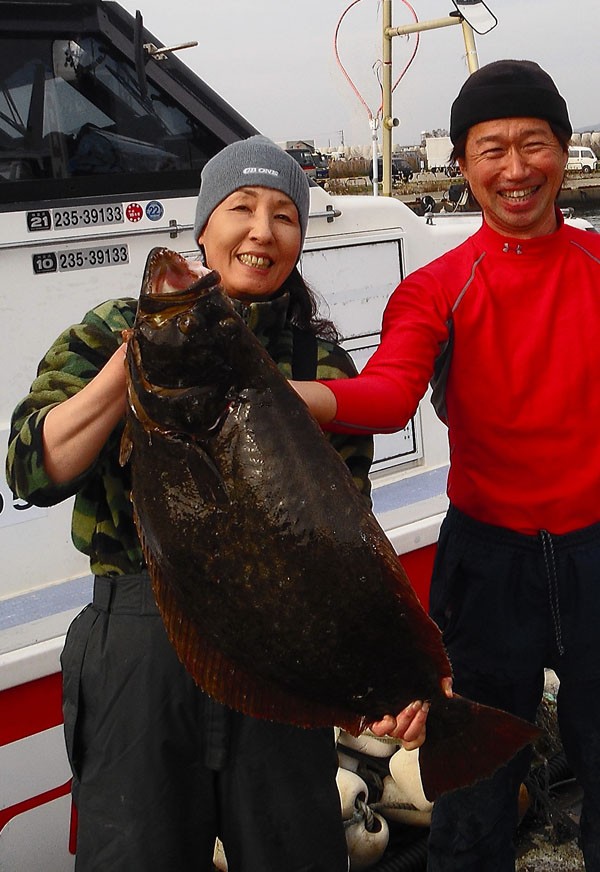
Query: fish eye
column 187, row 323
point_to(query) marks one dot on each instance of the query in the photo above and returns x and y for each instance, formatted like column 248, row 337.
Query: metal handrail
column 173, row 229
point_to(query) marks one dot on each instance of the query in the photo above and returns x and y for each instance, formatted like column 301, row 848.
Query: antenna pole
column 387, row 120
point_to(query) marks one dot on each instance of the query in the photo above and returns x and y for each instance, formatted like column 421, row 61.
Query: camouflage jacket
column 102, row 522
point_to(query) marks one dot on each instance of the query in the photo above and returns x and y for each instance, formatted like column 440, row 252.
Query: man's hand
column 409, row 725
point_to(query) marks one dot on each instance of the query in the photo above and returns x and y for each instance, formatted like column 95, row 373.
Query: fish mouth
column 168, row 275
column 163, row 296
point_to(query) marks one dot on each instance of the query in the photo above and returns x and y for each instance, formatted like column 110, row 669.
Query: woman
column 159, row 769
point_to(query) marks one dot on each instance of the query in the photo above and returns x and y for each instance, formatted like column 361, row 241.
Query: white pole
column 375, row 156
column 387, row 121
column 470, row 47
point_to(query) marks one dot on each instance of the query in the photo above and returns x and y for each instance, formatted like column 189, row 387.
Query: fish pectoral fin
column 201, row 474
column 126, row 446
column 466, row 742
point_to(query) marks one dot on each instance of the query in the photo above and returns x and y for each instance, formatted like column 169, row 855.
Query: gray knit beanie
column 256, row 161
column 508, row 89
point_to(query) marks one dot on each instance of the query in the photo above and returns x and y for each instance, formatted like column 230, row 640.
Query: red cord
column 347, row 76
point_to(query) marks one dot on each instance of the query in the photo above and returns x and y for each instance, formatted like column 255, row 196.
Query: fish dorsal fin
column 236, row 687
column 230, row 683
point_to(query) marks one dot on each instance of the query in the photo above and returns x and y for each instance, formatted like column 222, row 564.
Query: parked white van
column 582, row 159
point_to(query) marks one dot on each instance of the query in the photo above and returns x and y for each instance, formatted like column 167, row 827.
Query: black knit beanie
column 508, row 89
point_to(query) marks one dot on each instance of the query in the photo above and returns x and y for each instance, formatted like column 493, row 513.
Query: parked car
column 306, row 159
column 321, row 165
column 401, row 169
column 452, row 170
column 582, row 159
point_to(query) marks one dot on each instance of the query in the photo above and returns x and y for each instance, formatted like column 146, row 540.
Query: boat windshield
column 75, row 119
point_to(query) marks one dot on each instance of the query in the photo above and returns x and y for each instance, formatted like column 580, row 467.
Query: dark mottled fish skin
column 279, row 590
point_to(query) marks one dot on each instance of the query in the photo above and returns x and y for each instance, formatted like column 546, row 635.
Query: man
column 508, row 326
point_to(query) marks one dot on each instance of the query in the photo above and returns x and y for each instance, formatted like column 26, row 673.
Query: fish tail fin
column 467, row 741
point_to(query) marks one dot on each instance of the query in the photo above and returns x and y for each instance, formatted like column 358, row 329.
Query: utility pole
column 473, row 15
column 387, row 121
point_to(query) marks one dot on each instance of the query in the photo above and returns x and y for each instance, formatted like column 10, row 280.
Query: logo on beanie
column 247, row 171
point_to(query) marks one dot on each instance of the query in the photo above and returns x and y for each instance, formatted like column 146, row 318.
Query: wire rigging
column 373, row 117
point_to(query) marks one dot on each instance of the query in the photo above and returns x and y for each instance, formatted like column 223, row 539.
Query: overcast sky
column 273, row 60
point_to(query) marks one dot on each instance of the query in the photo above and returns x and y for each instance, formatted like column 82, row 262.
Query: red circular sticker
column 134, row 212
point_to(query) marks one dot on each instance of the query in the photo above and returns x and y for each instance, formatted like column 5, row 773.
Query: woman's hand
column 76, row 430
column 410, row 724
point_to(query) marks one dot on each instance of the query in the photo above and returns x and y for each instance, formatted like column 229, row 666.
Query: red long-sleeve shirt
column 523, row 390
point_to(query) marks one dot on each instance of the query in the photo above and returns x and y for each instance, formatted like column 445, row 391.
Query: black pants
column 510, row 605
column 160, row 770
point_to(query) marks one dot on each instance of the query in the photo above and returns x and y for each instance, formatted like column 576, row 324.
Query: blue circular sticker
column 154, row 210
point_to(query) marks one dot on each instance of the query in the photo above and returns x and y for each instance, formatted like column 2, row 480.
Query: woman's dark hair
column 458, row 150
column 304, row 308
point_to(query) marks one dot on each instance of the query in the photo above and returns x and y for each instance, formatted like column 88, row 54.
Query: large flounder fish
column 279, row 590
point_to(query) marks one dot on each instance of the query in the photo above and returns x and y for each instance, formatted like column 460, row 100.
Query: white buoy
column 404, row 769
column 352, row 788
column 366, row 846
column 393, row 805
column 367, row 743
